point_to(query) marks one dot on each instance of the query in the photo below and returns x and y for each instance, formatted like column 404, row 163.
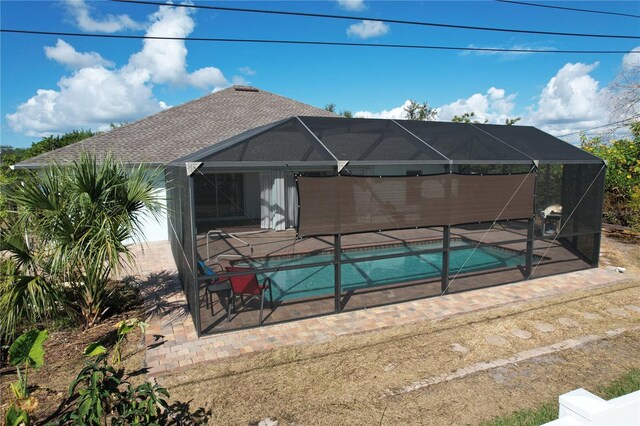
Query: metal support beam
column 337, row 273
column 529, row 254
column 446, row 243
column 195, row 285
column 595, row 257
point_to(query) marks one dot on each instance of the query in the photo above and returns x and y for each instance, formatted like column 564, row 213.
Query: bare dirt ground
column 343, row 382
column 64, row 360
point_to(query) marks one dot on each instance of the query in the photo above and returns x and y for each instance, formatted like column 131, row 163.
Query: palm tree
column 78, row 218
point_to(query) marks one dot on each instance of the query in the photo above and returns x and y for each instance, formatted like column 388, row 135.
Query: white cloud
column 505, row 56
column 94, row 96
column 632, row 59
column 354, row 5
column 570, row 101
column 108, row 24
column 165, row 60
column 393, row 113
column 206, row 78
column 90, row 98
column 368, row 29
column 494, row 105
column 65, row 54
column 239, row 81
column 247, row 70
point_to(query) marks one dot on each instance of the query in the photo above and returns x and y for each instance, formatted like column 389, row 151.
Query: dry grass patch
column 341, row 382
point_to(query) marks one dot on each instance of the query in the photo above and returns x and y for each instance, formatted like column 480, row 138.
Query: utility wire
column 310, row 42
column 368, row 18
column 598, row 127
column 573, row 9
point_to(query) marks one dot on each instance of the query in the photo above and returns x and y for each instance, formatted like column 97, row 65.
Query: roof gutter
column 36, row 166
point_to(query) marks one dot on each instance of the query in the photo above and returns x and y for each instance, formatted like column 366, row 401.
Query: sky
column 54, row 84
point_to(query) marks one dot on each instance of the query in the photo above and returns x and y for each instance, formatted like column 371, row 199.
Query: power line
column 311, row 42
column 598, row 127
column 573, row 9
column 391, row 21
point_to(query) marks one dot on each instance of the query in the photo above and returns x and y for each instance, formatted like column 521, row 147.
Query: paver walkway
column 172, row 342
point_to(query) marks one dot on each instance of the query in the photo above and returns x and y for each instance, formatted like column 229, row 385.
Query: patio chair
column 248, row 285
column 215, row 285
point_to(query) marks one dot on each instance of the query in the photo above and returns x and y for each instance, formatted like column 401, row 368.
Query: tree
column 78, row 218
column 624, row 94
column 330, row 107
column 622, row 184
column 511, row 121
column 11, row 156
column 420, row 111
column 467, row 118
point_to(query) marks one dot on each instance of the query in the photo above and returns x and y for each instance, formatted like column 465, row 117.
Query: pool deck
column 284, row 243
column 172, row 343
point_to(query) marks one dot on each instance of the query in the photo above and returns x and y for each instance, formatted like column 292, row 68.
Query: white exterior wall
column 155, row 229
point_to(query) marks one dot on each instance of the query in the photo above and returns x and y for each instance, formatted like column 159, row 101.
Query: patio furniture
column 248, row 285
column 215, row 285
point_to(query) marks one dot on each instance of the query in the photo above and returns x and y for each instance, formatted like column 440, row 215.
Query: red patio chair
column 248, row 285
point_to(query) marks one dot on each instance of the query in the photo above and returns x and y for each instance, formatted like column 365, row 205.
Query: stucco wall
column 155, row 229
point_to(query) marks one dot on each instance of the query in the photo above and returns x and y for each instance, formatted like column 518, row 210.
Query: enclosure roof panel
column 378, row 141
column 538, row 144
column 362, row 139
column 463, row 141
column 285, row 141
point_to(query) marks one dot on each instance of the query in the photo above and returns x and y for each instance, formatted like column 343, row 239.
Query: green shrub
column 622, row 186
column 26, row 352
column 68, row 236
column 99, row 394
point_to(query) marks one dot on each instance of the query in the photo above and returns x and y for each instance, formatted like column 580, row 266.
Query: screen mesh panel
column 181, row 233
column 538, row 144
column 462, row 142
column 344, row 205
column 358, row 139
column 289, row 141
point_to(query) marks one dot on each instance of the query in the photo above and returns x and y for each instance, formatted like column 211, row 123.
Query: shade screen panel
column 345, row 205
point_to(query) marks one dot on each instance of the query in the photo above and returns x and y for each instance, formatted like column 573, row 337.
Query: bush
column 622, row 186
column 27, row 351
column 77, row 219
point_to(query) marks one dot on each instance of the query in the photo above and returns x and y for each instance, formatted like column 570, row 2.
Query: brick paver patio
column 172, row 341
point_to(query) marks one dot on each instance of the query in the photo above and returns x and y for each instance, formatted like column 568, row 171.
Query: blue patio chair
column 215, row 285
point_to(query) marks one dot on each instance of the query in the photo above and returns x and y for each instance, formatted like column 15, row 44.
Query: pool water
column 318, row 281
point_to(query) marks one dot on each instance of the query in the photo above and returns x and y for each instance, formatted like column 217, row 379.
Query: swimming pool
column 318, row 281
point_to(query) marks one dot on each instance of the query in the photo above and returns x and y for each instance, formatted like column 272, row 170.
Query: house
column 182, row 130
column 351, row 213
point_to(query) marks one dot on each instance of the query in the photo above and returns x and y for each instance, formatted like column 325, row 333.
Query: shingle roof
column 185, row 129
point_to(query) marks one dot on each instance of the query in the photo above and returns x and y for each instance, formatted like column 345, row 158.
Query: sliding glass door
column 219, row 197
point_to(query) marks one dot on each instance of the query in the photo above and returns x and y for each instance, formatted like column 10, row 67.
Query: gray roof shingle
column 184, row 129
